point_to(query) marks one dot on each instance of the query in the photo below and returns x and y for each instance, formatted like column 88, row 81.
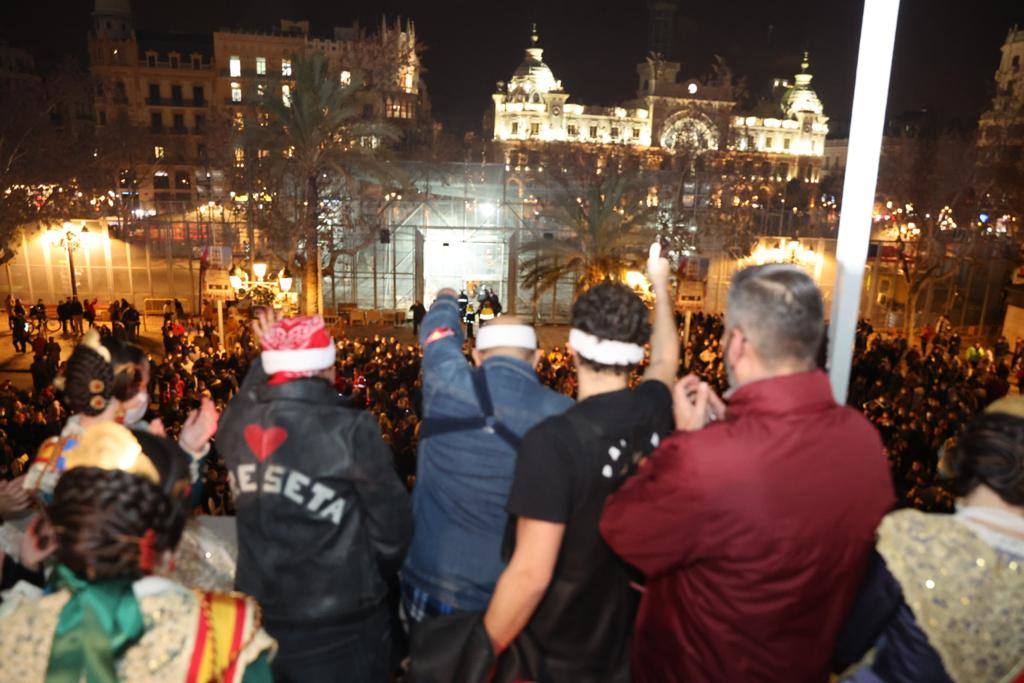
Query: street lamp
column 69, row 236
column 235, row 277
column 259, row 268
column 259, row 289
column 284, row 279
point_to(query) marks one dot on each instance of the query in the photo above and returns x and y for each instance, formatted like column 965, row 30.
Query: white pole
column 220, row 323
column 870, row 93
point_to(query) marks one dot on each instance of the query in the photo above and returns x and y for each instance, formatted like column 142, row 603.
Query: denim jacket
column 463, row 477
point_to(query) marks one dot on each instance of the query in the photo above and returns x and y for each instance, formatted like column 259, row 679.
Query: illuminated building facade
column 1001, row 128
column 171, row 90
column 668, row 114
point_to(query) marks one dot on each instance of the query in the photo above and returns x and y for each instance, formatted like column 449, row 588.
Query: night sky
column 946, row 50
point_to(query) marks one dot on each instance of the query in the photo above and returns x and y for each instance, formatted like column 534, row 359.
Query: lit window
column 346, row 77
column 290, row 152
column 239, row 121
column 261, row 66
column 286, row 67
column 408, row 79
column 286, row 95
column 235, row 66
column 263, row 153
column 236, row 91
column 261, row 89
column 239, row 156
column 158, row 152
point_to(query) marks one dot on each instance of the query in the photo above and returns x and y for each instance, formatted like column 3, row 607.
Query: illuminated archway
column 687, row 130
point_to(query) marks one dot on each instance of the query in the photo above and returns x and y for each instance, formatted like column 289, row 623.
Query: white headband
column 515, row 336
column 605, row 351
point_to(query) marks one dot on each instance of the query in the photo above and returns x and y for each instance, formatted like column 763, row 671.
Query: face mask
column 137, row 412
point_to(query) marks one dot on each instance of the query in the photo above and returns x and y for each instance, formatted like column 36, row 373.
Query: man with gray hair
column 753, row 523
column 473, row 421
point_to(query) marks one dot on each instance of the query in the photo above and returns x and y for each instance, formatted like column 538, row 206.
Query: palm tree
column 317, row 141
column 600, row 206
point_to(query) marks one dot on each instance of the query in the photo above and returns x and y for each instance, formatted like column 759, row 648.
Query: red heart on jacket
column 263, row 442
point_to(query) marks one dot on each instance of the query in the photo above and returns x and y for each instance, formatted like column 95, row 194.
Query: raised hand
column 200, row 427
column 658, row 268
column 694, row 404
column 262, row 323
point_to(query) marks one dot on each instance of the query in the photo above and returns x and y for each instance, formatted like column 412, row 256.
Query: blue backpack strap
column 436, row 426
column 483, row 396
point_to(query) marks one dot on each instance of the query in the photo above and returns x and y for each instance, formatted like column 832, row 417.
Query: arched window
column 536, row 98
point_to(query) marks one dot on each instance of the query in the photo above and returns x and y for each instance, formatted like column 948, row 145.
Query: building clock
column 556, row 110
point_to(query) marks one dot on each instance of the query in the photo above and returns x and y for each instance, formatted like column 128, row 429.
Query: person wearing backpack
column 566, row 603
column 474, row 419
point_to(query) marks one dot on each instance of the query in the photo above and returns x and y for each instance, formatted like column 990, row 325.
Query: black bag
column 456, row 649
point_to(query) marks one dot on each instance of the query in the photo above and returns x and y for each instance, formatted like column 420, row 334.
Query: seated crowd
column 577, row 515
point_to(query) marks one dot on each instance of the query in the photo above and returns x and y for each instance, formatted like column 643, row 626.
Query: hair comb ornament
column 91, row 341
column 109, row 446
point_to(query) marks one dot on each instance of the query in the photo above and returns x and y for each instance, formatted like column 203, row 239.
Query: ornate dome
column 533, row 75
column 801, row 96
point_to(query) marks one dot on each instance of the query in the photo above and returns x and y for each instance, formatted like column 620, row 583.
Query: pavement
column 15, row 366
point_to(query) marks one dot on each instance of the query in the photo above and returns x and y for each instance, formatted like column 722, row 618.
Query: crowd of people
column 917, row 397
column 546, row 486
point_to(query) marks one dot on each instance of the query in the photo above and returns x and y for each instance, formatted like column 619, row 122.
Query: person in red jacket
column 753, row 524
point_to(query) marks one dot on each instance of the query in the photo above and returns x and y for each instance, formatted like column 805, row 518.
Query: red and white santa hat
column 297, row 347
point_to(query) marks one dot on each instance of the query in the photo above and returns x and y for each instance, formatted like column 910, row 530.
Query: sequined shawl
column 172, row 649
column 966, row 596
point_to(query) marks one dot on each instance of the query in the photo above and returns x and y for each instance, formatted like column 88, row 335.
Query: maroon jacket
column 754, row 534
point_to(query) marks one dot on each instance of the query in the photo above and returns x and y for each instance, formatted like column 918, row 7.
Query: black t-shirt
column 566, row 467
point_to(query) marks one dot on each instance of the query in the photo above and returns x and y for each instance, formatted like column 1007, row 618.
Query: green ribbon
column 100, row 621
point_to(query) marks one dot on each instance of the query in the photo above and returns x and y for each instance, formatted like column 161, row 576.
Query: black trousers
column 353, row 652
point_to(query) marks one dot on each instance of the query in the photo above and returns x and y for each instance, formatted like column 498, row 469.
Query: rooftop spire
column 534, row 51
column 806, row 62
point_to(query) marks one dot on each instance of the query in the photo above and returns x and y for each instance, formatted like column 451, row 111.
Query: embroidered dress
column 965, row 586
column 182, row 635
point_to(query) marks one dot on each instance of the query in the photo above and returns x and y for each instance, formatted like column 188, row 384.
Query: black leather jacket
column 323, row 519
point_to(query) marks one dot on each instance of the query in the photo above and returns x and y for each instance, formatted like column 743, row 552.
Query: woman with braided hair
column 941, row 600
column 106, row 381
column 88, row 388
column 117, row 514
